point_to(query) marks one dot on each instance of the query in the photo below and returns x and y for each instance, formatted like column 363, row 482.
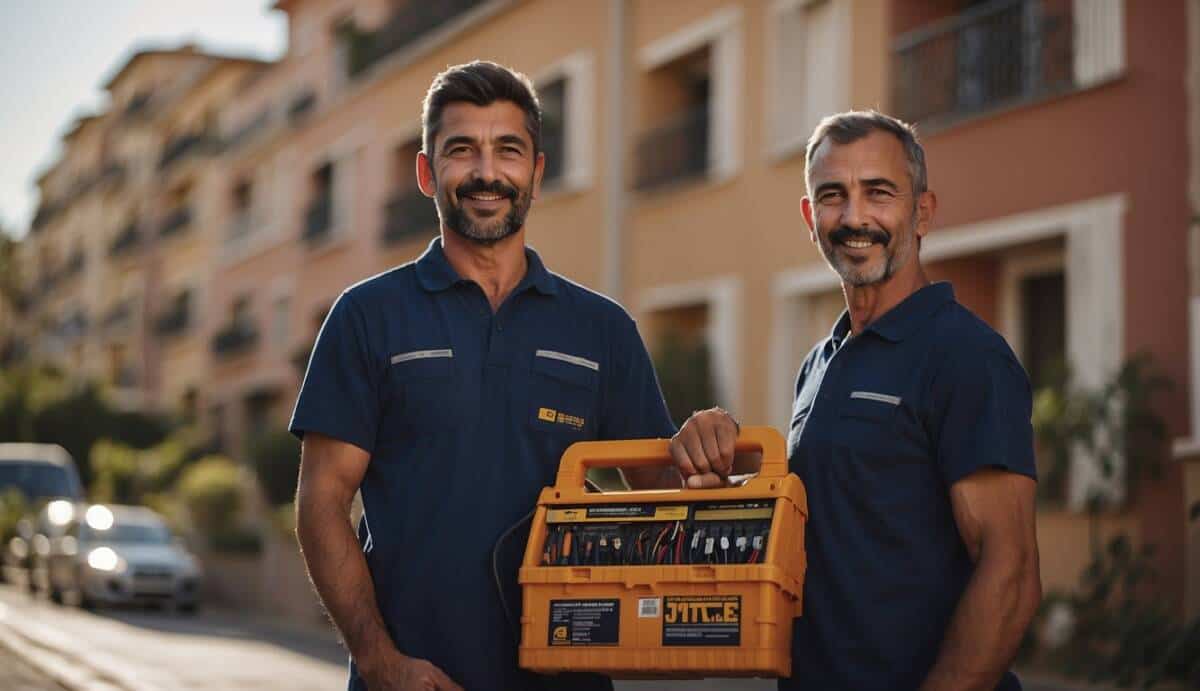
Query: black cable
column 496, row 572
column 591, row 487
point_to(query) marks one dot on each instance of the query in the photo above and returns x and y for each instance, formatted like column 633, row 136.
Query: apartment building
column 674, row 139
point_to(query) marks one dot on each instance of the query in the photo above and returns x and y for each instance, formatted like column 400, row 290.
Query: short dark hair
column 850, row 126
column 482, row 83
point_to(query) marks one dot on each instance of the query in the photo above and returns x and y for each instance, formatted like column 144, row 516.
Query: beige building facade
column 674, row 137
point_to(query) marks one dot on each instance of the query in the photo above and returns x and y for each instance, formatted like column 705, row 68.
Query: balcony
column 674, row 152
column 408, row 214
column 176, row 222
column 234, row 339
column 179, row 147
column 250, row 130
column 125, row 243
column 46, row 212
column 404, row 28
column 174, row 320
column 301, row 106
column 996, row 55
column 318, row 220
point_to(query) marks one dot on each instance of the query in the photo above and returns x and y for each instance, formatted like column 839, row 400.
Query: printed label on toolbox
column 621, row 513
column 648, row 608
column 744, row 510
column 702, row 620
column 584, row 622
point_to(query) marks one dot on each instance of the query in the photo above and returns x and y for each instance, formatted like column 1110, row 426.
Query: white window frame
column 722, row 31
column 722, row 296
column 1092, row 234
column 1099, row 41
column 783, row 141
column 578, row 70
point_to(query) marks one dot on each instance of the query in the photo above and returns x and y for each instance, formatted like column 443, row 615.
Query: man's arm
column 994, row 511
column 330, row 473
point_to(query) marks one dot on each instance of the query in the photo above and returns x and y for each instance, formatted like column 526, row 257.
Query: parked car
column 108, row 554
column 30, row 475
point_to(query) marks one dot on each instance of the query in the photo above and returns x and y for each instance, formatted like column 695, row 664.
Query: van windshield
column 36, row 480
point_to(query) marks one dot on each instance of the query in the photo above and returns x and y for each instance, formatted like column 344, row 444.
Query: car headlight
column 104, row 559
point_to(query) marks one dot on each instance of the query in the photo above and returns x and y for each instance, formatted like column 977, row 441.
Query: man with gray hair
column 911, row 431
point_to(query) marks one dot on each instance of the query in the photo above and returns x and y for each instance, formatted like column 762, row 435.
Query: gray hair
column 852, row 125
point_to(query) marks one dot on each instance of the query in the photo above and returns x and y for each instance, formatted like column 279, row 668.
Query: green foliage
column 236, row 541
column 276, row 458
column 127, row 475
column 13, row 507
column 1120, row 636
column 211, row 490
column 41, row 405
column 1112, row 421
column 685, row 375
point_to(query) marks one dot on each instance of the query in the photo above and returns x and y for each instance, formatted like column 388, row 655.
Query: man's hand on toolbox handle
column 392, row 670
column 704, row 449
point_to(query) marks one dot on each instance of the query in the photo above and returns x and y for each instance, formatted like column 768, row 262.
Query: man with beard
column 911, row 431
column 446, row 390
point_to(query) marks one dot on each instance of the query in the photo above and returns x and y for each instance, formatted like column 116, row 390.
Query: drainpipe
column 615, row 192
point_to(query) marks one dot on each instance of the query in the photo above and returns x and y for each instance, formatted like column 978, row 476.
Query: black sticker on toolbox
column 584, row 622
column 702, row 620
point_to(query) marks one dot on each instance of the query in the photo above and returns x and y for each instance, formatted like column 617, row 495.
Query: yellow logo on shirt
column 560, row 418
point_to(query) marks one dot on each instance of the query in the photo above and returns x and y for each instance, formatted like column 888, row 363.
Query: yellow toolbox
column 675, row 583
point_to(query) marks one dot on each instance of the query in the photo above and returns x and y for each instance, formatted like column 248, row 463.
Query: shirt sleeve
column 633, row 404
column 340, row 394
column 982, row 409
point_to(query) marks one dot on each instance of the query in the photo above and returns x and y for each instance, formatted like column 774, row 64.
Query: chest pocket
column 563, row 395
column 424, row 389
column 871, row 407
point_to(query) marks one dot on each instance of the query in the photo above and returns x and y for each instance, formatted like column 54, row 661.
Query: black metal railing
column 176, row 221
column 184, row 145
column 175, row 319
column 674, row 152
column 408, row 214
column 301, row 106
column 408, row 24
column 996, row 55
column 318, row 219
column 234, row 339
column 129, row 239
column 137, row 106
column 46, row 212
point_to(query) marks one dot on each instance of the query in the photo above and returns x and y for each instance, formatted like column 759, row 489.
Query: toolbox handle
column 640, row 453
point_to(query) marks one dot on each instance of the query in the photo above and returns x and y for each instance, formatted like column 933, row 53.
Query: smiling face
column 862, row 212
column 484, row 173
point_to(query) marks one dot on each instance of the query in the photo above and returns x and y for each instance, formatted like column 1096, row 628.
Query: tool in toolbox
column 674, row 583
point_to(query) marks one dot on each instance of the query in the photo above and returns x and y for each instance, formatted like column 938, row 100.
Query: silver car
column 108, row 554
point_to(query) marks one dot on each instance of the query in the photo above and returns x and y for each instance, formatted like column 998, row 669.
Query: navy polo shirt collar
column 900, row 321
column 435, row 273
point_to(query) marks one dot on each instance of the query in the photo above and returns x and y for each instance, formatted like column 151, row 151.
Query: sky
column 55, row 56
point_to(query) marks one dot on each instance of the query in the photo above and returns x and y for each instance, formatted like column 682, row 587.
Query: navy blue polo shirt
column 883, row 424
column 465, row 414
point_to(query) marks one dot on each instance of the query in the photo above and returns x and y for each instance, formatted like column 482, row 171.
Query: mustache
column 844, row 233
column 477, row 186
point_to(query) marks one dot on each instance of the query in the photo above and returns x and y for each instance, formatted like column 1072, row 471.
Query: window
column 566, row 90
column 1044, row 336
column 318, row 219
column 553, row 97
column 691, row 95
column 807, row 58
column 407, row 213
